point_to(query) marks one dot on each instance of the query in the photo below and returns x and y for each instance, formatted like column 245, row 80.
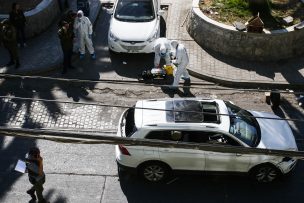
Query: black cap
column 34, row 151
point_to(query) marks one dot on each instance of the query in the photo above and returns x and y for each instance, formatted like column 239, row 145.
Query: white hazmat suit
column 83, row 30
column 181, row 61
column 162, row 48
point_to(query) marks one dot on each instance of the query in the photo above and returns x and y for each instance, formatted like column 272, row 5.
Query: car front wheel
column 265, row 173
column 154, row 172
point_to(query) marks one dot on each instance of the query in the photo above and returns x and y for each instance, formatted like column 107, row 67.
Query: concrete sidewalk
column 211, row 66
column 44, row 54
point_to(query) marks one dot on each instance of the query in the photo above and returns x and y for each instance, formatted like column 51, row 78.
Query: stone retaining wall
column 40, row 18
column 268, row 46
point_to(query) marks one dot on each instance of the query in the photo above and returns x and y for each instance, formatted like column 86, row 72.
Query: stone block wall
column 268, row 46
column 39, row 18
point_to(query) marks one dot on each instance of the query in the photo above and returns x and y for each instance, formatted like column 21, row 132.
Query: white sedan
column 225, row 125
column 134, row 26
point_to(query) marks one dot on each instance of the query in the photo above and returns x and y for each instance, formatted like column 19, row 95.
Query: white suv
column 173, row 122
column 134, row 26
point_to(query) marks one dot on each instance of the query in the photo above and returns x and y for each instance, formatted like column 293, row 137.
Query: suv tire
column 265, row 173
column 154, row 172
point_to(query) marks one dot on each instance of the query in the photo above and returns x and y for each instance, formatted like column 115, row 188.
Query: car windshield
column 134, row 10
column 243, row 125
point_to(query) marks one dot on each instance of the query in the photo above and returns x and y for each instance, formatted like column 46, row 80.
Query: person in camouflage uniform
column 66, row 37
column 18, row 19
column 9, row 41
column 69, row 17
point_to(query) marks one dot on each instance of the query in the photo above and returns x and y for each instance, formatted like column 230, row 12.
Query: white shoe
column 184, row 78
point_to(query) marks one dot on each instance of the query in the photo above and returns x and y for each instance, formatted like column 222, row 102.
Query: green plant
column 238, row 7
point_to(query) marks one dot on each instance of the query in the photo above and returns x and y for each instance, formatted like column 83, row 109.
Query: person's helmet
column 162, row 50
column 174, row 44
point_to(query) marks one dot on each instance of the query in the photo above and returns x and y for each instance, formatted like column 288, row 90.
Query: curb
column 245, row 84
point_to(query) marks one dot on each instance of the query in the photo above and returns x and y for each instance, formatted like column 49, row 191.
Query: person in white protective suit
column 83, row 29
column 181, row 60
column 162, row 49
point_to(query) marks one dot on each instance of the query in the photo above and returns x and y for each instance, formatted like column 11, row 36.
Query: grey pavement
column 44, row 54
column 61, row 188
column 88, row 173
column 225, row 70
column 41, row 114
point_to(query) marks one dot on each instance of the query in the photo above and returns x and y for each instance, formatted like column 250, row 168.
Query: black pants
column 37, row 187
column 20, row 35
column 13, row 52
column 67, row 57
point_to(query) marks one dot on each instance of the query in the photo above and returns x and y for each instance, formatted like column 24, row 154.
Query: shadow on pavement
column 11, row 149
column 60, row 199
column 209, row 189
column 186, row 87
column 20, row 113
column 289, row 110
column 289, row 68
column 131, row 65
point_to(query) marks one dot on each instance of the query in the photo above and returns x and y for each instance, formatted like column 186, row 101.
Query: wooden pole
column 99, row 138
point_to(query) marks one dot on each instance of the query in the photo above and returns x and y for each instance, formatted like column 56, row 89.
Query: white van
column 134, row 26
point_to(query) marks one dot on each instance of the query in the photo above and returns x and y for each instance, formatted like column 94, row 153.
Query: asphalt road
column 88, row 173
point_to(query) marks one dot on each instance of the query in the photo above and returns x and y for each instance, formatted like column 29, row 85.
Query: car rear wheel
column 154, row 172
column 265, row 173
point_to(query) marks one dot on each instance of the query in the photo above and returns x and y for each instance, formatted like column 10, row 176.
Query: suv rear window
column 130, row 127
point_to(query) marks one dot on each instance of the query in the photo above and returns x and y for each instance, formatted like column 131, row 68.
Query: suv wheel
column 265, row 173
column 154, row 172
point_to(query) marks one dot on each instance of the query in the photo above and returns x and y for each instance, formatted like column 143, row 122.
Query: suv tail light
column 123, row 150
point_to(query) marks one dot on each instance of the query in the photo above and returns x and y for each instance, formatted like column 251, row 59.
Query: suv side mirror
column 110, row 11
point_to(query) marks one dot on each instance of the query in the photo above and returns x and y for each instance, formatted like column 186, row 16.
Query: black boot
column 32, row 194
column 43, row 201
column 17, row 64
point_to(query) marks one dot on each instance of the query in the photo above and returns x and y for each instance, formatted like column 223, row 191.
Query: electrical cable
column 155, row 109
column 134, row 82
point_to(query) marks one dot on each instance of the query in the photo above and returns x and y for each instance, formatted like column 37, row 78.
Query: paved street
column 88, row 173
column 78, row 173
